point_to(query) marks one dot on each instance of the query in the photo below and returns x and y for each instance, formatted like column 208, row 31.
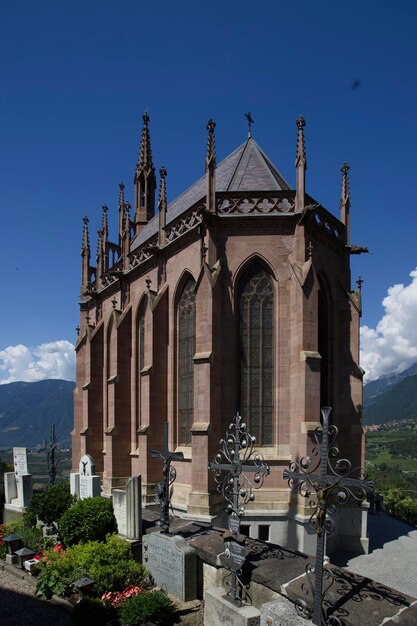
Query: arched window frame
column 186, row 327
column 325, row 323
column 110, row 366
column 140, row 353
column 255, row 361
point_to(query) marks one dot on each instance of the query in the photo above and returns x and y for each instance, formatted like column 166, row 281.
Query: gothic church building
column 235, row 296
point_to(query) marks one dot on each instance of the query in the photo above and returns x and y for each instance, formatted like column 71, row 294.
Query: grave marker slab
column 172, row 563
column 18, row 485
column 85, row 483
column 127, row 509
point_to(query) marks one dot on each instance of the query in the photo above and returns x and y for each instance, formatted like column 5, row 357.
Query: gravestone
column 127, row 509
column 85, row 483
column 172, row 564
column 18, row 485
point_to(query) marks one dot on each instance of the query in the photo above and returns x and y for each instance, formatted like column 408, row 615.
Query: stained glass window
column 186, row 349
column 256, row 362
column 325, row 347
column 141, row 339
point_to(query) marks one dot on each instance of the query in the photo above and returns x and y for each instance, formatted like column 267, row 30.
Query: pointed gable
column 255, row 172
column 246, row 169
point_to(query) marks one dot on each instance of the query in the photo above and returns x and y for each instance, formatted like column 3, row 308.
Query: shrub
column 49, row 505
column 117, row 577
column 57, row 572
column 93, row 612
column 32, row 537
column 110, row 564
column 88, row 520
column 153, row 606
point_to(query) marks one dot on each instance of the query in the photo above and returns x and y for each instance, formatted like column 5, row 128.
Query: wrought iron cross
column 319, row 477
column 163, row 493
column 235, row 459
column 51, row 449
column 250, row 121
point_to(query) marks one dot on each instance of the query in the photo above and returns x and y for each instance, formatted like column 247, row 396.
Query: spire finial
column 345, row 180
column 345, row 200
column 99, row 244
column 121, row 194
column 145, row 151
column 211, row 146
column 85, row 259
column 145, row 182
column 86, row 239
column 104, row 222
column 162, row 200
column 300, row 165
column 211, row 168
column 301, row 153
column 126, row 216
column 250, row 122
column 121, row 210
column 162, row 205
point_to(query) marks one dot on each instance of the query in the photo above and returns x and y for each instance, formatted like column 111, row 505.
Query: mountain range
column 391, row 397
column 27, row 411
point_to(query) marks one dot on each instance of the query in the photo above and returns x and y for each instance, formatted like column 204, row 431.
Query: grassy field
column 378, row 452
column 38, row 467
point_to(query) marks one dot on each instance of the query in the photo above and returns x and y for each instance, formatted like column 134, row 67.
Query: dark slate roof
column 246, row 169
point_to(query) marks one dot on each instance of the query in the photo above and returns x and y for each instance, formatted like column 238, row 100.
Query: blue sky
column 76, row 77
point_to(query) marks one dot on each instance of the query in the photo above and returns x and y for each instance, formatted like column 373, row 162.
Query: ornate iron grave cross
column 235, row 458
column 328, row 483
column 163, row 491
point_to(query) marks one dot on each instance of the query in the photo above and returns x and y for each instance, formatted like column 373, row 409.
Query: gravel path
column 20, row 607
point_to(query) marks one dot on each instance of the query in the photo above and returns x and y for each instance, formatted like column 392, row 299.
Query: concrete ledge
column 219, row 610
column 281, row 613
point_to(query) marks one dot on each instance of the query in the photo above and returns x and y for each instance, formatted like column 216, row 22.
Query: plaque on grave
column 235, row 553
column 20, row 461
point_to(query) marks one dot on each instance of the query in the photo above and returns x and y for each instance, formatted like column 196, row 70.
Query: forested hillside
column 27, row 411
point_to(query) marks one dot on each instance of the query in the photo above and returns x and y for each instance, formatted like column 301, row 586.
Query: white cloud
column 392, row 345
column 48, row 360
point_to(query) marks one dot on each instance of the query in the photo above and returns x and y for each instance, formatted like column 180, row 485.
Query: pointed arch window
column 141, row 340
column 255, row 359
column 186, row 349
column 140, row 358
column 325, row 342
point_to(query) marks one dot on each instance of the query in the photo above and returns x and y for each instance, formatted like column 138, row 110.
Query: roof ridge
column 244, row 144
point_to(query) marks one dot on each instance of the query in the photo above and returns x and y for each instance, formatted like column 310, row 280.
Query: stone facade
column 132, row 368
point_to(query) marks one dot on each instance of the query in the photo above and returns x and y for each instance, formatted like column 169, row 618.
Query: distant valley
column 27, row 411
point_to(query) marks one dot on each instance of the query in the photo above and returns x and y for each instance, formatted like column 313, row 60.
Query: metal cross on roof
column 163, row 493
column 334, row 482
column 235, row 459
column 250, row 122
